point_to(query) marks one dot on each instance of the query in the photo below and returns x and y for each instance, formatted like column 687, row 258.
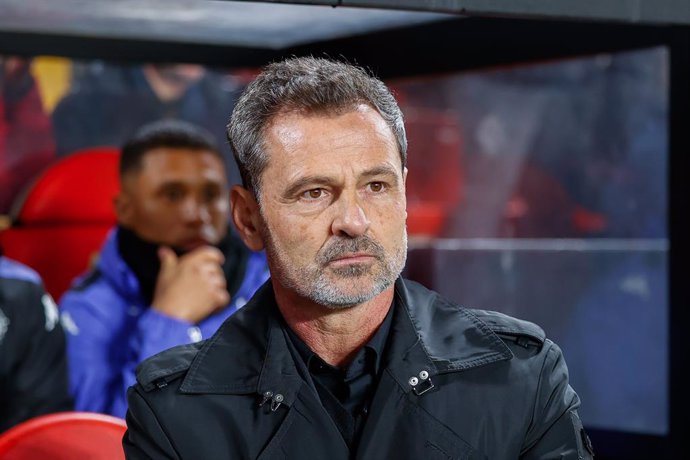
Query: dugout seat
column 65, row 436
column 59, row 224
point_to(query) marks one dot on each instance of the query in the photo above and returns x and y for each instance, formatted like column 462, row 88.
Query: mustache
column 340, row 246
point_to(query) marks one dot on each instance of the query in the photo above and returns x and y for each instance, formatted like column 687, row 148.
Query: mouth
column 349, row 259
column 193, row 243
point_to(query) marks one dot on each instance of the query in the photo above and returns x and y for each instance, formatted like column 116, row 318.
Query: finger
column 206, row 254
column 168, row 259
column 209, row 269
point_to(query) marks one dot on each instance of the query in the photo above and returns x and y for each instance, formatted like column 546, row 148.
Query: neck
column 336, row 335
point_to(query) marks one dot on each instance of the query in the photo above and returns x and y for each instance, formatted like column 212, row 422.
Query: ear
column 124, row 211
column 405, row 175
column 245, row 214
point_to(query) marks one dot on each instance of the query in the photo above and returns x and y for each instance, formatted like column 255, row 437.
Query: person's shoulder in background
column 33, row 364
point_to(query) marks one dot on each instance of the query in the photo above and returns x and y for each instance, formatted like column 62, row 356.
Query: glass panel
column 52, row 107
column 540, row 191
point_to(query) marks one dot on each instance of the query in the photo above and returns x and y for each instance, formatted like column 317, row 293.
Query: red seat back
column 63, row 219
column 63, row 436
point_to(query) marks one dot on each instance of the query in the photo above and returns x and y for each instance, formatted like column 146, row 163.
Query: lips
column 353, row 258
column 193, row 243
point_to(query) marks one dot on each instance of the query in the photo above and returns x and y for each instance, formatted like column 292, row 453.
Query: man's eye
column 313, row 194
column 174, row 194
column 211, row 195
column 377, row 187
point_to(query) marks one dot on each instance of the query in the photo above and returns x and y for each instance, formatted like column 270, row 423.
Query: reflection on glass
column 559, row 214
column 52, row 107
column 26, row 134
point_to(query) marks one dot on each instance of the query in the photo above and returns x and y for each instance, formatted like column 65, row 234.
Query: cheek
column 297, row 234
column 391, row 213
column 156, row 214
column 220, row 211
column 222, row 207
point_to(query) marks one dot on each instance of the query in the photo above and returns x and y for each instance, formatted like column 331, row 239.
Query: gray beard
column 313, row 282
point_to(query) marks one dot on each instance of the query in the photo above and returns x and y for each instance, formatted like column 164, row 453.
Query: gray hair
column 304, row 84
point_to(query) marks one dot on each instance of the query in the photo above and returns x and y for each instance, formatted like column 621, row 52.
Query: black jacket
column 33, row 365
column 456, row 384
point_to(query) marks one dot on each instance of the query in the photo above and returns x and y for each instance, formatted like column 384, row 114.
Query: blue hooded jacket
column 110, row 329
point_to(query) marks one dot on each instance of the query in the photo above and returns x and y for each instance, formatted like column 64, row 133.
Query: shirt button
column 194, row 334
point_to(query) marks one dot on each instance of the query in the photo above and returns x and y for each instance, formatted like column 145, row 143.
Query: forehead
column 359, row 137
column 165, row 163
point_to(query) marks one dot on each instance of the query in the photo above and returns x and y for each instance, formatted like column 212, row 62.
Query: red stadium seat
column 63, row 219
column 63, row 436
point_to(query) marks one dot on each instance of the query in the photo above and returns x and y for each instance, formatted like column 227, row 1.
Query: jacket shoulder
column 159, row 370
column 522, row 332
column 13, row 270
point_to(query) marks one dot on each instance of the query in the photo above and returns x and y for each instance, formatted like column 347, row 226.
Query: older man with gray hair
column 337, row 356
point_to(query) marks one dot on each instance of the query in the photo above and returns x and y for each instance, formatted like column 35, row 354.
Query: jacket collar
column 431, row 334
column 250, row 352
column 113, row 267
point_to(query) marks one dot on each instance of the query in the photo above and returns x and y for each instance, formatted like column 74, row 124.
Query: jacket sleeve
column 556, row 430
column 93, row 360
column 145, row 438
column 105, row 348
column 39, row 377
column 153, row 333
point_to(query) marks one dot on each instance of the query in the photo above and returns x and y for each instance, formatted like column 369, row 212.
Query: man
column 337, row 357
column 170, row 273
column 33, row 364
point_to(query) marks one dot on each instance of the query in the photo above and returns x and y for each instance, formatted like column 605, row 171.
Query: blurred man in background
column 169, row 274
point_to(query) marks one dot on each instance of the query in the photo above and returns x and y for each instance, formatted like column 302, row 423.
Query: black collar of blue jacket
column 250, row 353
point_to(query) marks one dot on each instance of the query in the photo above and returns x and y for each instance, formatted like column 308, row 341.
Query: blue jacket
column 110, row 329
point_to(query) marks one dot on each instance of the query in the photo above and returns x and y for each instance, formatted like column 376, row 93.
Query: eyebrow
column 302, row 182
column 382, row 171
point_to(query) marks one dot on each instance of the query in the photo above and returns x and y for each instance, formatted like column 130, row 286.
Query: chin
column 341, row 294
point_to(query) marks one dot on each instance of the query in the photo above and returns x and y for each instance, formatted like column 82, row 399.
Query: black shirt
column 346, row 393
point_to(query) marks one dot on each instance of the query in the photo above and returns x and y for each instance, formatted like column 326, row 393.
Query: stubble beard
column 324, row 284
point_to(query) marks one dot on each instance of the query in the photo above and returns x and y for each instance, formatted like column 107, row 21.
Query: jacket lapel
column 248, row 354
column 432, row 335
column 429, row 337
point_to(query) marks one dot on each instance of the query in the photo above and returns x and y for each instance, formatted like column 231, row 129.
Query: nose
column 195, row 212
column 351, row 220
